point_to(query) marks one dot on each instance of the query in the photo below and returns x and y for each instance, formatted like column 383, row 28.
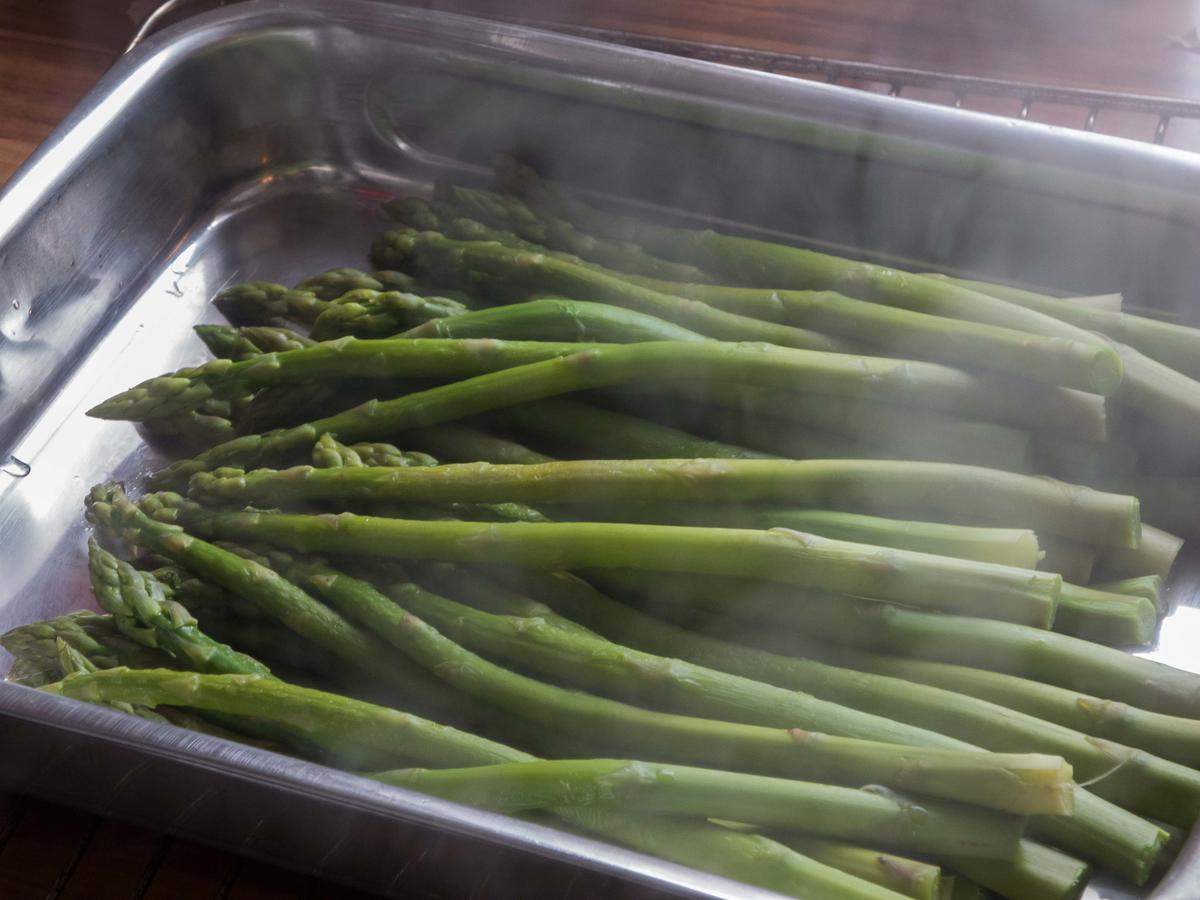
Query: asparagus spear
column 1086, row 365
column 1169, row 501
column 1005, row 546
column 770, row 419
column 36, row 659
column 1155, row 555
column 596, row 664
column 1126, row 776
column 254, row 583
column 1171, row 737
column 910, row 877
column 1148, row 586
column 1104, row 617
column 1171, row 398
column 266, row 303
column 1097, row 829
column 475, row 264
column 905, row 331
column 1074, row 560
column 920, row 383
column 600, row 366
column 337, row 282
column 230, row 342
column 509, row 213
column 330, row 453
column 194, row 430
column 1177, row 346
column 980, row 643
column 873, row 484
column 143, row 611
column 896, row 331
column 367, row 313
column 603, row 434
column 382, row 733
column 864, row 815
column 934, row 582
column 1030, row 783
column 1039, row 873
column 555, row 319
column 460, row 443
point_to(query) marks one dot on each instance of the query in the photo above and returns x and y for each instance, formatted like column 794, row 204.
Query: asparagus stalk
column 555, row 319
column 485, row 264
column 771, row 419
column 1030, row 782
column 230, row 342
column 144, row 612
column 923, row 384
column 1172, row 737
column 336, row 283
column 1073, row 560
column 71, row 661
column 941, row 583
column 600, row 366
column 872, row 484
column 1123, row 775
column 1154, row 555
column 1005, row 546
column 1169, row 501
column 1039, row 873
column 382, row 733
column 1097, row 829
column 1177, row 346
column 367, row 313
column 1074, row 363
column 266, row 303
column 596, row 664
column 287, row 405
column 509, row 213
column 1106, row 618
column 330, row 453
column 910, row 877
column 258, row 585
column 460, row 443
column 36, row 658
column 873, row 816
column 922, row 334
column 1170, row 397
column 194, row 430
column 980, row 643
column 1148, row 586
column 603, row 434
column 896, row 331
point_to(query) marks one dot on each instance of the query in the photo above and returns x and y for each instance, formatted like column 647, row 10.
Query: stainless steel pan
column 257, row 142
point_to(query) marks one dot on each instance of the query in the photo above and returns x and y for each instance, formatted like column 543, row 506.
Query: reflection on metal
column 894, row 79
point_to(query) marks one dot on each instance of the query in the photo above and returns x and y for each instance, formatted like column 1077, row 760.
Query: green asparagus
column 873, row 485
column 934, row 582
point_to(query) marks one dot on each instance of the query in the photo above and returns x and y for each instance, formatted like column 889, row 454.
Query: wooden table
column 52, row 53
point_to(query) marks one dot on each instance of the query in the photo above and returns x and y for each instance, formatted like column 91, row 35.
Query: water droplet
column 17, row 468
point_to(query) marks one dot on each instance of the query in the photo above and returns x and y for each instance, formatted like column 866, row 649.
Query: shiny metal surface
column 257, row 142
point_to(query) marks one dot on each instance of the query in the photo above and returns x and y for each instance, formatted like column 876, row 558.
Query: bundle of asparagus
column 735, row 553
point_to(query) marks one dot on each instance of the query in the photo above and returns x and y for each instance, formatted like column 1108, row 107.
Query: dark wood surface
column 53, row 51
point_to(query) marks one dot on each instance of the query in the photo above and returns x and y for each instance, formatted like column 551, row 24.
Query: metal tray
column 257, row 142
